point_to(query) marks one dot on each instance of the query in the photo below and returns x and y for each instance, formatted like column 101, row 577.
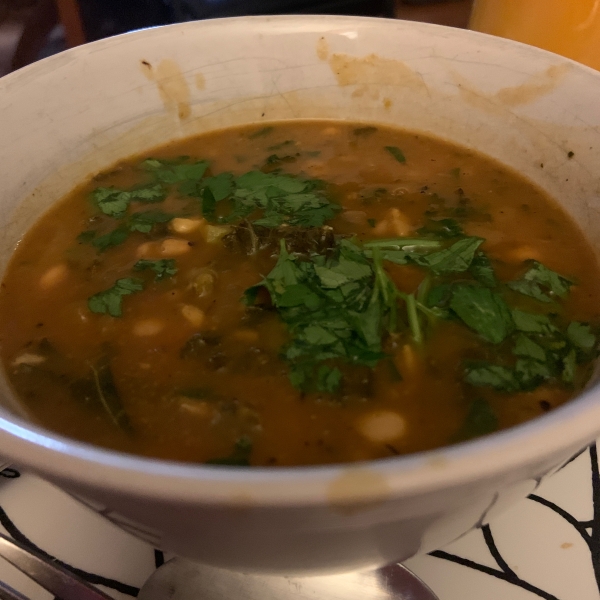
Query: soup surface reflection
column 299, row 293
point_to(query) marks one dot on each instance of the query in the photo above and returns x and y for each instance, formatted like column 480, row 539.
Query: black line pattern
column 588, row 530
column 92, row 578
column 159, row 558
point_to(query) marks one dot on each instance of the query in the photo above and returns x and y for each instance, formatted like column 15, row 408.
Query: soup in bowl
column 275, row 277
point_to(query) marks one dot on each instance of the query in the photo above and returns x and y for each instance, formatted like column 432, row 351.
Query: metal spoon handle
column 51, row 576
column 8, row 593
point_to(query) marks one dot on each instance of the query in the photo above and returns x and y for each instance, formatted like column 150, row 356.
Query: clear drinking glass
column 567, row 27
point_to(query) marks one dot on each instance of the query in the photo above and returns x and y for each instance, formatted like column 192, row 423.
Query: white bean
column 382, row 426
column 53, row 276
column 174, row 247
column 148, row 327
column 185, row 226
column 193, row 314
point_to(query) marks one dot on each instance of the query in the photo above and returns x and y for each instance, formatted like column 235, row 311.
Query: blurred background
column 33, row 29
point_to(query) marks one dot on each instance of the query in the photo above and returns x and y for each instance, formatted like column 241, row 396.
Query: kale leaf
column 110, row 301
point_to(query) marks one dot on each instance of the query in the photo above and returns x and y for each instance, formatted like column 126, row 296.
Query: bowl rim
column 544, row 440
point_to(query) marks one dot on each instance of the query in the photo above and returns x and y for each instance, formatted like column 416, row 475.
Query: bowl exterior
column 77, row 113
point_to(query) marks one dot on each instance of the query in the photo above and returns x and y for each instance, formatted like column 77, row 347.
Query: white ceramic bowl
column 76, row 113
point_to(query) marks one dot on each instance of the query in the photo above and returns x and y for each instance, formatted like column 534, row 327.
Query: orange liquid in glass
column 567, row 27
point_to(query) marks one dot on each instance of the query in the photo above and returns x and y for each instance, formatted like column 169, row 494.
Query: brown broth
column 51, row 276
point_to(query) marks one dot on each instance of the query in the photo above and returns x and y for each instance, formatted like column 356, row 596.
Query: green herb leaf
column 85, row 237
column 148, row 194
column 525, row 346
column 171, row 172
column 581, row 336
column 364, row 131
column 569, row 366
column 456, row 259
column 112, row 238
column 482, row 310
column 396, row 153
column 111, row 202
column 240, row 457
column 532, row 323
column 264, row 131
column 498, row 377
column 114, row 202
column 108, row 395
column 162, row 268
column 542, row 283
column 328, row 379
column 144, row 221
column 111, row 301
column 442, row 228
column 480, row 420
column 482, row 270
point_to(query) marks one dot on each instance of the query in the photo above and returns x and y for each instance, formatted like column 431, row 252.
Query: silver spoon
column 181, row 579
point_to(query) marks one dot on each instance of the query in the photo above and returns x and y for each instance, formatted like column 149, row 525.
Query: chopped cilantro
column 442, row 228
column 455, row 259
column 144, row 221
column 482, row 270
column 240, row 457
column 282, row 200
column 281, row 145
column 542, row 283
column 112, row 238
column 170, row 172
column 111, row 202
column 569, row 366
column 480, row 420
column 581, row 336
column 526, row 347
column 162, row 268
column 496, row 376
column 114, row 202
column 333, row 308
column 396, row 153
column 364, row 131
column 532, row 323
column 85, row 237
column 110, row 301
column 482, row 310
column 261, row 132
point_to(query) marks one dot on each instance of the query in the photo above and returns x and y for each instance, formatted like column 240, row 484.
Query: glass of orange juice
column 567, row 27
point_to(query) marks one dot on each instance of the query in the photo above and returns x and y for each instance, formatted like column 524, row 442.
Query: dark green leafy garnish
column 482, row 310
column 442, row 228
column 542, row 283
column 480, row 420
column 162, row 268
column 240, row 457
column 110, row 301
column 145, row 221
column 482, row 270
column 364, row 131
column 334, row 309
column 101, row 391
column 455, row 259
column 267, row 199
column 261, row 132
column 114, row 202
column 581, row 336
column 396, row 153
column 112, row 238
